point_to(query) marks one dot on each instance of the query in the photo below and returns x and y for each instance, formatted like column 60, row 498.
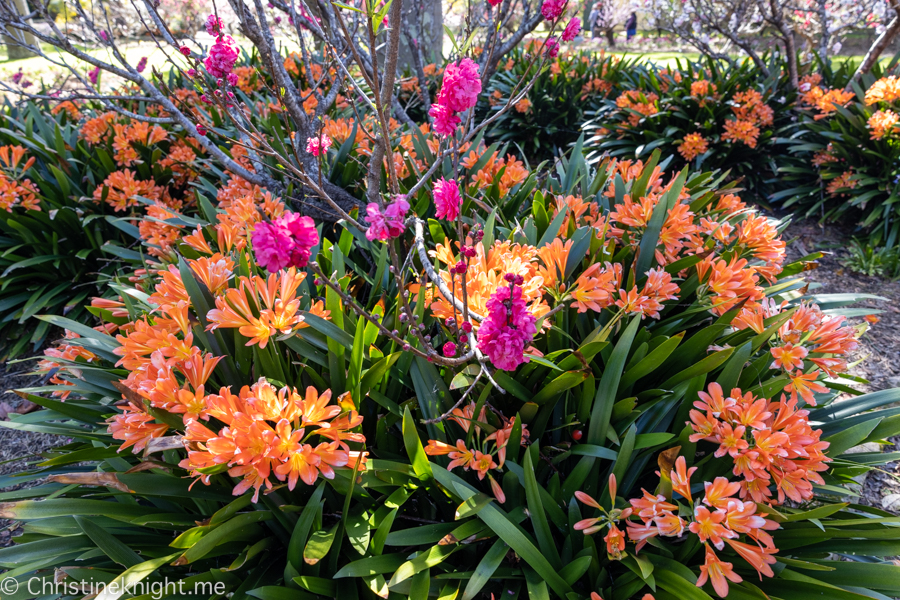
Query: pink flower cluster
column 509, row 326
column 552, row 9
column 94, row 75
column 459, row 92
column 573, row 28
column 552, row 47
column 388, row 224
column 447, row 199
column 318, row 146
column 214, row 25
column 222, row 57
column 285, row 242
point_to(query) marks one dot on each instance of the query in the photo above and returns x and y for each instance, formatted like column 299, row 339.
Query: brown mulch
column 17, row 448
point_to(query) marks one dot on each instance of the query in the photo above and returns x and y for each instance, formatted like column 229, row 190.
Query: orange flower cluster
column 769, row 443
column 243, row 205
column 65, row 354
column 826, row 101
column 741, row 131
column 268, row 432
column 68, row 107
column 260, row 308
column 580, row 213
column 121, row 190
column 692, row 146
column 596, row 86
column 523, row 105
column 883, row 123
column 750, row 106
column 752, row 241
column 180, row 158
column 844, row 181
column 137, row 132
column 15, row 189
column 514, row 171
column 886, row 89
column 717, row 519
column 703, row 91
column 638, row 104
column 809, row 335
column 98, row 129
column 600, row 287
column 824, row 156
column 160, row 236
column 492, row 446
column 248, row 80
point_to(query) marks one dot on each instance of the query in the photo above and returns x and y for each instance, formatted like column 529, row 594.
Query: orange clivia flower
column 692, row 146
column 718, row 573
column 886, row 89
column 738, row 130
column 883, row 123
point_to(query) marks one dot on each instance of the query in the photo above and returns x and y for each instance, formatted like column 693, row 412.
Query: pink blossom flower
column 445, row 121
column 552, row 9
column 269, row 244
column 142, row 64
column 494, row 2
column 552, row 47
column 573, row 28
column 285, row 242
column 447, row 199
column 192, row 72
column 104, row 36
column 213, row 25
column 450, row 349
column 389, row 224
column 508, row 328
column 232, row 78
column 318, row 146
column 185, row 50
column 94, row 75
column 461, row 86
column 201, row 130
column 222, row 57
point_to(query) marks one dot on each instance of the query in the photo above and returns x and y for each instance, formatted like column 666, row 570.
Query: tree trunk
column 15, row 38
column 426, row 21
column 882, row 42
column 610, row 37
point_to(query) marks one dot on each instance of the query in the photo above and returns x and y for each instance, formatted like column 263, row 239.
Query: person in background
column 631, row 26
column 593, row 20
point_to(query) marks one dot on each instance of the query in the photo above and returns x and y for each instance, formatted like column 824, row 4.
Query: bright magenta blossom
column 508, row 328
column 447, row 199
column 285, row 242
column 222, row 57
column 461, row 86
column 445, row 121
column 572, row 30
column 318, row 146
column 552, row 9
column 389, row 224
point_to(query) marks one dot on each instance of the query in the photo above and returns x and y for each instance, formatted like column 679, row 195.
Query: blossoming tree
column 821, row 23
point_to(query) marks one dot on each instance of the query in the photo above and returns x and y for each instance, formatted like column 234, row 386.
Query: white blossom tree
column 819, row 25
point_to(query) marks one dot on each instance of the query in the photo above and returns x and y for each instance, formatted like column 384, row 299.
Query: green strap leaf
column 538, row 514
column 609, row 385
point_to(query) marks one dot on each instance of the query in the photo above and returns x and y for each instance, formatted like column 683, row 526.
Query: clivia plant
column 606, row 383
